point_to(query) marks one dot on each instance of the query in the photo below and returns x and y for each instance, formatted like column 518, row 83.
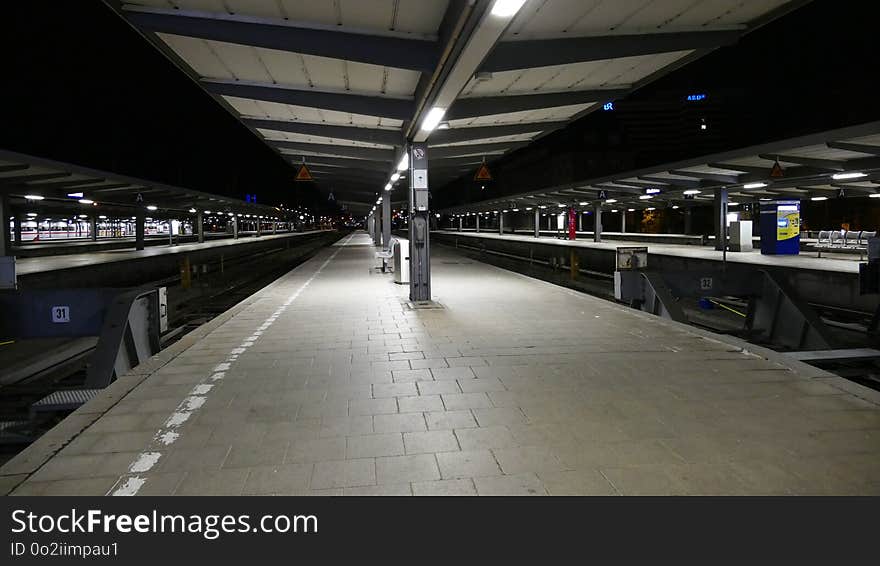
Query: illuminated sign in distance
column 696, row 97
column 608, row 106
column 652, row 191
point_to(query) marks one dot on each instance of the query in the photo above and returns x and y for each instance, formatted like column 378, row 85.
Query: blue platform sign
column 608, row 106
column 696, row 97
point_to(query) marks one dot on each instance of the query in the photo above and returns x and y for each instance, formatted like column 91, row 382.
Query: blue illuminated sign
column 696, row 97
column 608, row 106
column 650, row 191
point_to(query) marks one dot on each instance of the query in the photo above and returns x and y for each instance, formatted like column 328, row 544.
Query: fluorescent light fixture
column 516, row 210
column 102, row 217
column 818, row 198
column 75, row 195
column 207, row 212
column 403, row 164
column 613, row 210
column 34, row 197
column 543, row 206
column 433, row 118
column 443, row 126
column 34, row 213
column 583, row 203
column 650, row 208
column 506, row 8
column 754, row 185
column 630, row 209
column 560, row 205
column 388, row 186
column 851, row 175
column 395, row 177
column 610, row 200
column 729, row 203
column 646, row 197
column 675, row 207
column 503, row 211
column 529, row 207
column 874, row 195
column 152, row 207
column 86, row 201
column 192, row 210
column 231, row 213
column 693, row 192
column 83, row 215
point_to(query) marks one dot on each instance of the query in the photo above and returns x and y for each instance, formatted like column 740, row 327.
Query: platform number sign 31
column 60, row 314
column 705, row 283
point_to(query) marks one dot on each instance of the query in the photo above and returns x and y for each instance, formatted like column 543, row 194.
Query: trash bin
column 401, row 262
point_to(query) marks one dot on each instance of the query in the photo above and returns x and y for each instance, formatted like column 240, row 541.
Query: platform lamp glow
column 506, row 8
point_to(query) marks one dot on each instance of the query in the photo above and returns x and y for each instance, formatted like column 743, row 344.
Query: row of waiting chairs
column 844, row 241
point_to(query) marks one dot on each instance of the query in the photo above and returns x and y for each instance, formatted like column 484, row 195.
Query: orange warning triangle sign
column 777, row 170
column 483, row 173
column 304, row 174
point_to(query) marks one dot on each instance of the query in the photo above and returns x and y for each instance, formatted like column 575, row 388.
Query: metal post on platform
column 623, row 220
column 386, row 222
column 580, row 221
column 720, row 214
column 16, row 230
column 259, row 226
column 5, row 248
column 537, row 222
column 200, row 228
column 460, row 221
column 140, row 220
column 478, row 223
column 234, row 227
column 501, row 223
column 170, row 232
column 93, row 228
column 688, row 219
column 419, row 234
column 597, row 221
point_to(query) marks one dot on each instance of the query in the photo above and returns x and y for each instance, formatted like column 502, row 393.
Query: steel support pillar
column 274, row 227
column 93, row 228
column 537, row 218
column 580, row 221
column 234, row 227
column 720, row 214
column 200, row 228
column 419, row 234
column 460, row 221
column 478, row 223
column 5, row 248
column 688, row 219
column 549, row 221
column 623, row 220
column 16, row 230
column 597, row 221
column 140, row 220
column 386, row 222
column 501, row 223
column 259, row 227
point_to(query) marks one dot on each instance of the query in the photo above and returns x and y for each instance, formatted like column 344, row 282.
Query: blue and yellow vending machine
column 781, row 227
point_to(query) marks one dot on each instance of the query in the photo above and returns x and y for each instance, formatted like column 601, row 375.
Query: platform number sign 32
column 60, row 314
column 705, row 283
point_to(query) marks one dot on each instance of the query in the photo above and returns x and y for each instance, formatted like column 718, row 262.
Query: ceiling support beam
column 383, row 50
column 446, row 152
column 532, row 53
column 718, row 177
column 381, row 106
column 464, row 108
column 352, row 152
column 857, row 147
column 11, row 168
column 367, row 135
column 826, row 164
column 456, row 135
column 346, row 164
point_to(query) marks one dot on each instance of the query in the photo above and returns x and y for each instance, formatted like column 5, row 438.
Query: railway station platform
column 329, row 382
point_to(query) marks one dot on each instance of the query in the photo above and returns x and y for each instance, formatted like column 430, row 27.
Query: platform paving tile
column 514, row 387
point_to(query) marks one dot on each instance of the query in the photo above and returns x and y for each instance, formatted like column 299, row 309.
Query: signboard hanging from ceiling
column 483, row 173
column 777, row 170
column 304, row 174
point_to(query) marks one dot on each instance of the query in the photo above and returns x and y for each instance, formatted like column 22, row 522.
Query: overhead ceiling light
column 732, row 203
column 75, row 195
column 754, row 185
column 529, row 207
column 403, row 164
column 192, row 210
column 86, row 201
column 646, row 197
column 433, row 118
column 650, row 208
column 630, row 209
column 395, row 177
column 388, row 186
column 443, row 126
column 610, row 200
column 613, row 210
column 516, row 210
column 231, row 213
column 693, row 192
column 34, row 197
column 560, row 205
column 506, row 8
column 152, row 207
column 583, row 203
column 103, row 217
column 818, row 198
column 207, row 212
column 34, row 213
column 874, row 195
column 675, row 207
column 850, row 175
column 543, row 206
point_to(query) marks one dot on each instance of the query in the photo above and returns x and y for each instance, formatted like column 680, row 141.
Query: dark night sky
column 79, row 85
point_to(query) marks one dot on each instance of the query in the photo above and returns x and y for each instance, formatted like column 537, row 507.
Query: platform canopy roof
column 841, row 163
column 63, row 185
column 342, row 84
